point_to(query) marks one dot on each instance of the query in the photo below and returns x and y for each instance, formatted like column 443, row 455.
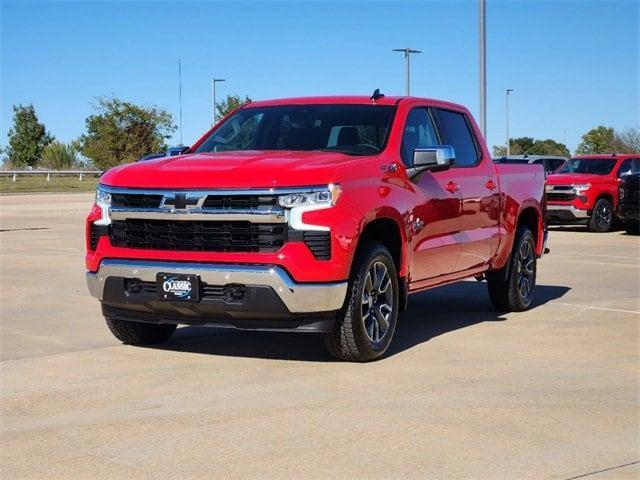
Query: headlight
column 580, row 188
column 103, row 200
column 321, row 197
column 313, row 199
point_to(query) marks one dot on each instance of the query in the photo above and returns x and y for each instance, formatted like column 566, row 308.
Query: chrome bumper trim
column 298, row 297
column 253, row 216
column 577, row 213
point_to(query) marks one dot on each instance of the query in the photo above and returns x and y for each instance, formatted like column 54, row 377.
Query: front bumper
column 269, row 293
column 565, row 213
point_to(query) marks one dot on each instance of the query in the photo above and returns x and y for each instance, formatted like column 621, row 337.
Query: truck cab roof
column 349, row 100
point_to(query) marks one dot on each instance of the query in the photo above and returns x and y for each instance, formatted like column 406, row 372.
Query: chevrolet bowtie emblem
column 179, row 201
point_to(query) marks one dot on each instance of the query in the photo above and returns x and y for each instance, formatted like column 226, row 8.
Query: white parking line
column 588, row 307
column 597, row 255
column 608, row 264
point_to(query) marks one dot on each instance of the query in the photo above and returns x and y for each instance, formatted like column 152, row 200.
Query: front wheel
column 511, row 288
column 602, row 216
column 365, row 326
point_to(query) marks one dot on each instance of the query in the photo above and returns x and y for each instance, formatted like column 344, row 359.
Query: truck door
column 434, row 213
column 477, row 178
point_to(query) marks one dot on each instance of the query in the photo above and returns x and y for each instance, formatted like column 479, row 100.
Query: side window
column 627, row 168
column 418, row 132
column 455, row 131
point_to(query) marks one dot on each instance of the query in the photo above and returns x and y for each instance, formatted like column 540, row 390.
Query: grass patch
column 33, row 184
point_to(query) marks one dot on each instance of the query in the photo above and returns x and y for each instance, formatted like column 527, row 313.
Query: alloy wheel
column 524, row 266
column 377, row 302
column 604, row 215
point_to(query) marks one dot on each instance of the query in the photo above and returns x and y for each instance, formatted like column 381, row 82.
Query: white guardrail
column 62, row 173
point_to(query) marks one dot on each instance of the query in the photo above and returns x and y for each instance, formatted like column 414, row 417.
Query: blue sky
column 573, row 64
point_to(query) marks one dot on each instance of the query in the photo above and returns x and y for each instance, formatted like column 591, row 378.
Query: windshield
column 350, row 129
column 597, row 166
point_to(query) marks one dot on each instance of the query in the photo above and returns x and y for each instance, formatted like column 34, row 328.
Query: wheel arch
column 607, row 196
column 388, row 231
column 531, row 217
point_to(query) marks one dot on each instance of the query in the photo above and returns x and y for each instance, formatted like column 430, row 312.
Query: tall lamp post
column 407, row 52
column 509, row 90
column 482, row 17
column 213, row 88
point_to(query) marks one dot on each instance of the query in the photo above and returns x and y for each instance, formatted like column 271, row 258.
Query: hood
column 569, row 178
column 243, row 169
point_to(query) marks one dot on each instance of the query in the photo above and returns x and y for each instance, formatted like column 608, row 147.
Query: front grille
column 560, row 197
column 319, row 243
column 241, row 202
column 208, row 236
column 135, row 200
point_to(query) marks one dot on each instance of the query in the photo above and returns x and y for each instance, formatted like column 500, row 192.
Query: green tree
column 230, row 103
column 530, row 146
column 59, row 156
column 597, row 140
column 521, row 145
column 27, row 138
column 549, row 147
column 122, row 132
column 499, row 151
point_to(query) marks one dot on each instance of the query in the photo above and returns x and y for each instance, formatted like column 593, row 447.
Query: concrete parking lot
column 464, row 393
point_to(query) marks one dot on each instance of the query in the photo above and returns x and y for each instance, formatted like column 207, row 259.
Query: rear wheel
column 511, row 288
column 365, row 326
column 139, row 333
column 602, row 216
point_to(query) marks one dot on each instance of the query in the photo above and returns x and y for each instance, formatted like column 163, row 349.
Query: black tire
column 602, row 216
column 511, row 289
column 360, row 334
column 139, row 333
column 632, row 228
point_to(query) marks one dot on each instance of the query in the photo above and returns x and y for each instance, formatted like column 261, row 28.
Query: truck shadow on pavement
column 431, row 313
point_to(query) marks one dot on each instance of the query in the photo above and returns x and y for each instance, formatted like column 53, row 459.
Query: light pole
column 213, row 85
column 509, row 90
column 180, row 95
column 483, row 66
column 407, row 52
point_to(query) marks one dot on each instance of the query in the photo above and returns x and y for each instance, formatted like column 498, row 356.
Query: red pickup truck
column 313, row 215
column 585, row 189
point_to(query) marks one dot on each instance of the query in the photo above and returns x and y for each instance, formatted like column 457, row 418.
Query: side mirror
column 435, row 158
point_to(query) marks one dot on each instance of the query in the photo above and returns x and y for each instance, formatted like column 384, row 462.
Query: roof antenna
column 376, row 95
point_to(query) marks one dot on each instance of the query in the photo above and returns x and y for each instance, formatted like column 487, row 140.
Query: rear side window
column 455, row 131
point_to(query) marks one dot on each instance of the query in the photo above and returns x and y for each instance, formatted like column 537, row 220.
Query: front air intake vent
column 319, row 243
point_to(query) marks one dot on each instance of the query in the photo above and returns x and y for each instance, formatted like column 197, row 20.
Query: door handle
column 452, row 187
column 491, row 185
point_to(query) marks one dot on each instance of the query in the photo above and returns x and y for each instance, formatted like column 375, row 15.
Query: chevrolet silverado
column 318, row 214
